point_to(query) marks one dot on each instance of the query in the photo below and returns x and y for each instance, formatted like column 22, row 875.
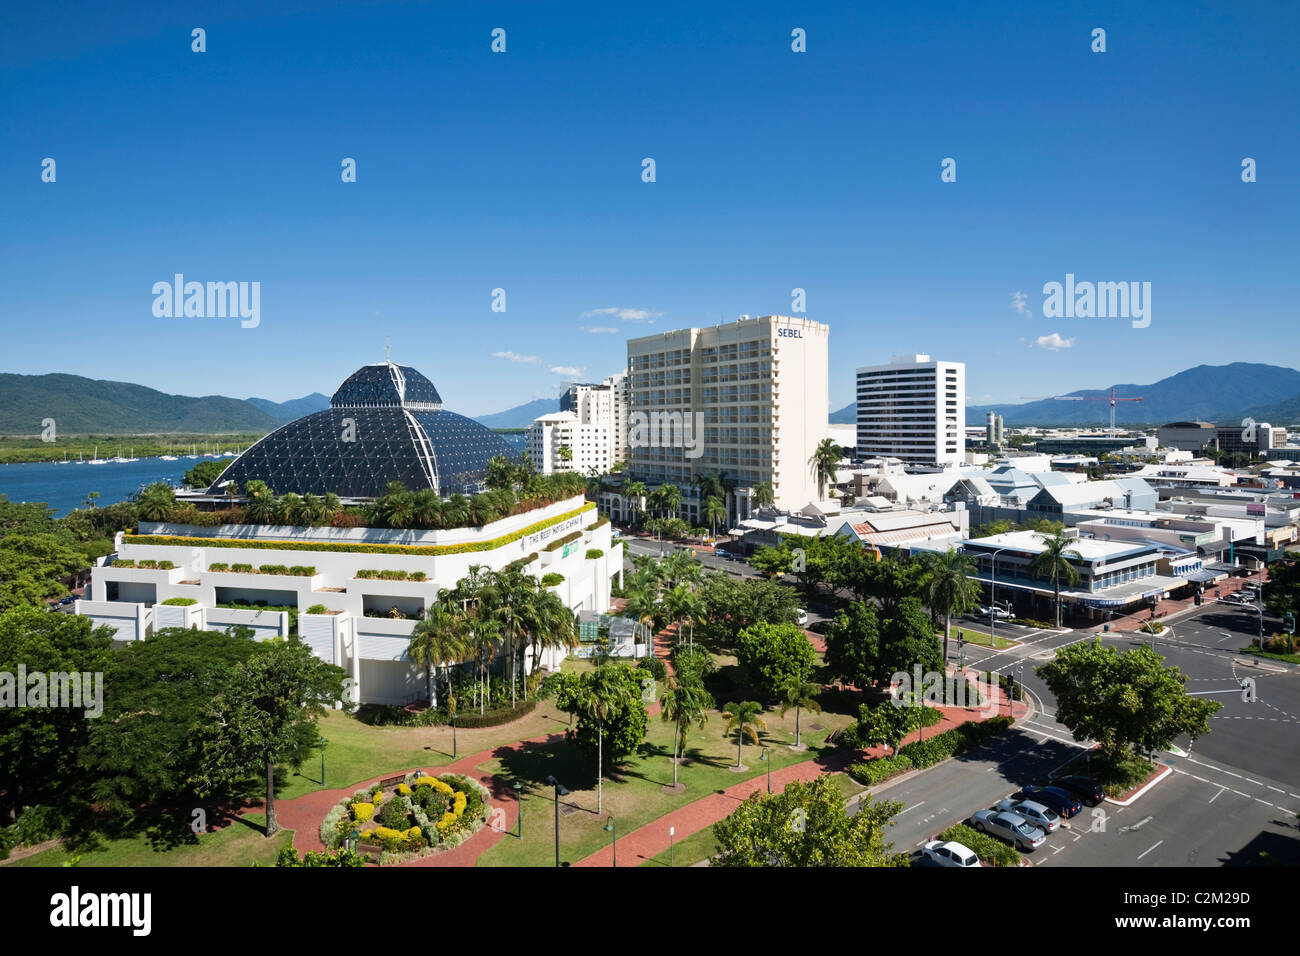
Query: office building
column 913, row 409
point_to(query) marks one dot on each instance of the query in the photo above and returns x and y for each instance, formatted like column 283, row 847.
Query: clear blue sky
column 523, row 171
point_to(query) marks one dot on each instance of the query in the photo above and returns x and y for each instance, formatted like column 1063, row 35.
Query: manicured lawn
column 696, row 847
column 634, row 795
column 978, row 637
column 237, row 844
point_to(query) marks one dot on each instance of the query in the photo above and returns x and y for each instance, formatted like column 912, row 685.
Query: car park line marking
column 1271, row 787
column 1056, row 850
column 912, row 807
column 1255, row 782
column 1149, row 849
column 1240, row 794
column 1219, row 794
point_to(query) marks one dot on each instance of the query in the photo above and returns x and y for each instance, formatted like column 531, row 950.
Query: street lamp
column 519, row 800
column 612, row 827
column 321, row 743
column 671, row 833
column 763, row 757
column 453, row 736
column 560, row 791
column 993, row 596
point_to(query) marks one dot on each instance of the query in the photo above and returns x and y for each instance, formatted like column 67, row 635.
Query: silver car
column 950, row 854
column 1035, row 813
column 1011, row 827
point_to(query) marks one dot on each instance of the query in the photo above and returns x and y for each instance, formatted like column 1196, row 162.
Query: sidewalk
column 1168, row 609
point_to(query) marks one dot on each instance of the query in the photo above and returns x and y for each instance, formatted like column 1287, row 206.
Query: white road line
column 912, row 807
column 1255, row 782
column 1149, row 849
column 1265, row 802
column 1219, row 794
column 1271, row 787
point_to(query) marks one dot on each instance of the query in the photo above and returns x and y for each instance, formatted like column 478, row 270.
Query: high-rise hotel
column 914, row 410
column 757, row 388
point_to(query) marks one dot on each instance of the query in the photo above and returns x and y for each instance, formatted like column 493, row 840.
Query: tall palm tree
column 679, row 567
column 684, row 702
column 156, row 502
column 801, row 695
column 549, row 623
column 635, row 492
column 261, row 502
column 744, row 720
column 763, row 495
column 426, row 508
column 604, row 693
column 1051, row 564
column 313, row 510
column 670, row 498
column 331, row 502
column 455, row 512
column 950, row 586
column 681, row 604
column 507, row 596
column 642, row 604
column 823, row 463
column 439, row 639
column 291, row 509
column 714, row 511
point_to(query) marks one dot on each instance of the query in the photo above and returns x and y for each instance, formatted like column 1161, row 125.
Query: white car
column 1035, row 813
column 801, row 617
column 999, row 614
column 950, row 854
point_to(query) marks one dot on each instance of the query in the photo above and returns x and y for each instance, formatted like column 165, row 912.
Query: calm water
column 64, row 487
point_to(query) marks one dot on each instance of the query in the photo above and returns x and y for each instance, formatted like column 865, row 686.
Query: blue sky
column 522, row 171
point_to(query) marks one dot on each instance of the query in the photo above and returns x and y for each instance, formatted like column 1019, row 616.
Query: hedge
column 469, row 547
column 598, row 524
column 594, row 553
column 872, row 772
column 967, row 736
column 559, row 542
column 990, row 850
column 317, row 609
column 180, row 602
column 552, row 579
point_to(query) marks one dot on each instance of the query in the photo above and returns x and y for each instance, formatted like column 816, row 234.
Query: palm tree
column 455, row 512
column 548, row 623
column 763, row 496
column 681, row 604
column 823, row 463
column 635, row 491
column 291, row 510
column 437, row 639
column 642, row 604
column 713, row 512
column 801, row 695
column 670, row 498
column 507, row 597
column 261, row 502
column 313, row 510
column 684, row 702
column 156, row 502
column 950, row 586
column 604, row 693
column 331, row 502
column 427, row 508
column 1051, row 564
column 744, row 720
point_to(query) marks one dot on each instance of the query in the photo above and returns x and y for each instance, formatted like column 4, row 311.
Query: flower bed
column 423, row 815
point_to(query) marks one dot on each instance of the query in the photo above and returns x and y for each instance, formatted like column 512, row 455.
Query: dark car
column 1062, row 801
column 1085, row 788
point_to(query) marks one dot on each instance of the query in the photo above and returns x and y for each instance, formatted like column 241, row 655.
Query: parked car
column 1062, row 801
column 950, row 854
column 1011, row 827
column 801, row 617
column 1035, row 813
column 999, row 614
column 1085, row 788
column 723, row 553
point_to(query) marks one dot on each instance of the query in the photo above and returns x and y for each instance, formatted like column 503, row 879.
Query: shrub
column 394, row 814
column 366, row 574
column 180, row 602
column 361, row 812
column 1032, row 622
column 967, row 736
column 165, row 565
column 656, row 667
column 594, row 553
column 273, row 569
column 123, row 563
column 147, row 563
column 241, row 568
column 872, row 772
column 561, row 542
column 302, row 570
column 419, row 576
column 990, row 850
column 317, row 609
column 218, row 566
column 552, row 579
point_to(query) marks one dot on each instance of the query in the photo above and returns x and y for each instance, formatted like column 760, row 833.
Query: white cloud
column 568, row 370
column 1018, row 300
column 514, row 357
column 627, row 315
column 598, row 330
column 1053, row 342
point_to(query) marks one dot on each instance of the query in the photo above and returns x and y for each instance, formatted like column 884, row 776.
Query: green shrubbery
column 551, row 579
column 967, row 736
column 990, row 850
column 180, row 602
column 872, row 772
column 594, row 553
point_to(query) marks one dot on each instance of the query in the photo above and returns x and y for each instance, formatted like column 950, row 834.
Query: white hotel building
column 566, row 537
column 591, row 425
column 913, row 409
column 756, row 387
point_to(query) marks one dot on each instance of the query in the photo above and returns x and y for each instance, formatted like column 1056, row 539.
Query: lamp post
column 519, row 801
column 612, row 828
column 321, row 743
column 560, row 791
column 453, row 736
column 671, row 832
column 763, row 757
column 993, row 596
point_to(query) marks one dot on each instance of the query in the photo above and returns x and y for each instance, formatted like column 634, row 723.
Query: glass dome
column 385, row 423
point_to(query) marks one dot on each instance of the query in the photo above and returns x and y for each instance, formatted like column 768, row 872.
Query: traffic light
column 1288, row 620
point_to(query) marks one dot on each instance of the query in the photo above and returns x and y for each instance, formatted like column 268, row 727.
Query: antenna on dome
column 388, row 349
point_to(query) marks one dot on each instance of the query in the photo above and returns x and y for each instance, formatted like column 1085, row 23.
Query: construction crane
column 1098, row 398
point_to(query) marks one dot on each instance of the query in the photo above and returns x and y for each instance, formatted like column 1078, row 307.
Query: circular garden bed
column 420, row 816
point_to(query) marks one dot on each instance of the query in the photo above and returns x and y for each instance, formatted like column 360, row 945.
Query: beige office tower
column 751, row 399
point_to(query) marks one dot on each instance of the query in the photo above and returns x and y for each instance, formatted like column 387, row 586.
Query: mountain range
column 1224, row 394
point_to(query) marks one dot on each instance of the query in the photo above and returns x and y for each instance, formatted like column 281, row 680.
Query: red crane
column 1098, row 398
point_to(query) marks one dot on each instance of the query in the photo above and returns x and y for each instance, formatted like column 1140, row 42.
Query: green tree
column 949, row 586
column 267, row 714
column 713, row 511
column 853, row 645
column 1127, row 702
column 888, row 581
column 1053, row 564
column 824, row 461
column 885, row 723
column 906, row 640
column 437, row 640
column 684, row 702
column 774, row 654
column 204, row 474
column 261, row 502
column 801, row 695
column 743, row 719
column 729, row 605
column 156, row 502
column 763, row 496
column 771, row 562
column 635, row 493
column 611, row 718
column 806, row 825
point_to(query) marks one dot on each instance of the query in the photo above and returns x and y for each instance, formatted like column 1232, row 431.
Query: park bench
column 387, row 782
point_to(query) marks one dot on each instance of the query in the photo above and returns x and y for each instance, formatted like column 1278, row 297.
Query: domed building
column 385, row 423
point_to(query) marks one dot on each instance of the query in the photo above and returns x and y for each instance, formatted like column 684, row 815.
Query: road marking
column 1255, row 782
column 1222, row 790
column 1265, row 802
column 912, row 807
column 1149, row 849
column 1271, row 787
